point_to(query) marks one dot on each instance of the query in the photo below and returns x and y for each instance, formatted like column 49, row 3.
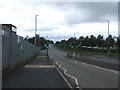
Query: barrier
column 77, row 56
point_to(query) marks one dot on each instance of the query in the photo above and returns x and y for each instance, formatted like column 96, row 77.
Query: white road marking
column 70, row 76
column 114, row 71
column 76, row 81
column 63, row 77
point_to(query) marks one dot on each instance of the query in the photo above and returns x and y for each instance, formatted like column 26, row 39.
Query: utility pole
column 64, row 41
column 35, row 27
column 35, row 31
column 108, row 39
column 39, row 40
column 79, row 42
column 74, row 39
column 74, row 35
column 47, row 48
column 74, row 46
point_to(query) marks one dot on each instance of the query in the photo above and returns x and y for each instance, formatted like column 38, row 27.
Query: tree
column 31, row 40
column 86, row 41
column 81, row 41
column 42, row 41
column 26, row 38
column 57, row 42
column 100, row 41
column 70, row 41
column 118, row 41
column 92, row 41
column 111, row 41
column 50, row 41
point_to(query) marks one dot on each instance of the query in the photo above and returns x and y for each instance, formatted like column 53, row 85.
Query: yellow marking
column 41, row 56
column 39, row 66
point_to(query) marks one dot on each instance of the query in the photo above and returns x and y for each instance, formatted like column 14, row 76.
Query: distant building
column 13, row 29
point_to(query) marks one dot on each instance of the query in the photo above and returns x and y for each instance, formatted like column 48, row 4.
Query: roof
column 9, row 25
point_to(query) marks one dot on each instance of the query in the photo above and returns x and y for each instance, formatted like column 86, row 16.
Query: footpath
column 39, row 73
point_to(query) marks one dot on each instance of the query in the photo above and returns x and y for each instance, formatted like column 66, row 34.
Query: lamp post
column 64, row 41
column 79, row 42
column 47, row 48
column 74, row 39
column 35, row 27
column 108, row 39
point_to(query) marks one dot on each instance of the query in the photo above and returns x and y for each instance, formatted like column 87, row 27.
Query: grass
column 88, row 52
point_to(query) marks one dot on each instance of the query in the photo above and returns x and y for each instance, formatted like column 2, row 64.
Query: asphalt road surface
column 89, row 76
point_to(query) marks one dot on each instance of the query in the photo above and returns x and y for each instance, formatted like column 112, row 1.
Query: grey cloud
column 84, row 12
column 41, row 29
column 46, row 29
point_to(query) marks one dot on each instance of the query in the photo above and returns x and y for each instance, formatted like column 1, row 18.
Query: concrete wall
column 15, row 49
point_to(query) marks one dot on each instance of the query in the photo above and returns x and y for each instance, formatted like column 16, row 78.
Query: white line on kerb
column 70, row 76
column 63, row 78
column 76, row 81
column 116, row 72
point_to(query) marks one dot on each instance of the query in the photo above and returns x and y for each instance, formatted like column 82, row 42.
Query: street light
column 47, row 48
column 74, row 39
column 108, row 39
column 79, row 42
column 35, row 27
column 64, row 41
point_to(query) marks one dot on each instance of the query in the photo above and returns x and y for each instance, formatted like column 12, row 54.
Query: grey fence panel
column 25, row 50
column 5, row 51
column 5, row 46
column 28, row 50
column 14, row 49
column 20, row 48
column 0, row 50
column 37, row 50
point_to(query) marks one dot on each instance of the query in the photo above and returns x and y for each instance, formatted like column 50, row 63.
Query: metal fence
column 15, row 49
column 0, row 57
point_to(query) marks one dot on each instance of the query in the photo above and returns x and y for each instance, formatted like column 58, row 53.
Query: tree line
column 91, row 41
column 40, row 41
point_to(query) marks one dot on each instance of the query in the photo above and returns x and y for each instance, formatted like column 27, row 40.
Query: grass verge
column 88, row 52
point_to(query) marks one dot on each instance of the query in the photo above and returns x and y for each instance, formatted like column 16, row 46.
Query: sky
column 60, row 19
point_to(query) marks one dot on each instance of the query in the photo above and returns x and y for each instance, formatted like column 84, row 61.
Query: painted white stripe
column 77, row 85
column 114, row 71
column 76, row 81
column 63, row 77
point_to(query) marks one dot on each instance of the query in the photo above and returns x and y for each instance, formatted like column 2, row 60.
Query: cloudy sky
column 60, row 19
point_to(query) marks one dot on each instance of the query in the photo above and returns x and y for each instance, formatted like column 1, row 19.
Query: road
column 89, row 76
column 106, row 62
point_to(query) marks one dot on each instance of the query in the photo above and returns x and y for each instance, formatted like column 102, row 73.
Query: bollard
column 47, row 55
column 76, row 55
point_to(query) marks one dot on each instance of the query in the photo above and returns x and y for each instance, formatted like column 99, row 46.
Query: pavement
column 39, row 73
column 88, row 75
